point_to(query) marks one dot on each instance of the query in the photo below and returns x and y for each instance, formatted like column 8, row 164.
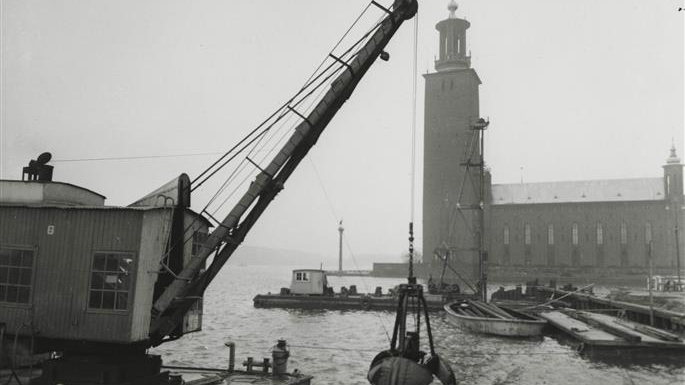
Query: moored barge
column 309, row 290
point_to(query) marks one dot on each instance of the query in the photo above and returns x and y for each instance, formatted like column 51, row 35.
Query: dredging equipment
column 405, row 363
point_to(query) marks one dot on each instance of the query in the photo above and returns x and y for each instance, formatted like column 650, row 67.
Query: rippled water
column 336, row 347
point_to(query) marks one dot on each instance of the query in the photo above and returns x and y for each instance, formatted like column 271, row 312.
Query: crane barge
column 102, row 284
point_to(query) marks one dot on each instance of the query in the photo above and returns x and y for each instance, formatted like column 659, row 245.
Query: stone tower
column 451, row 107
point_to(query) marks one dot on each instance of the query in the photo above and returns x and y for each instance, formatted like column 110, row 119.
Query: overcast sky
column 574, row 90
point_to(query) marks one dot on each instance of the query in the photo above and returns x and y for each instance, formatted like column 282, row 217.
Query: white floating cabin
column 75, row 270
column 308, row 281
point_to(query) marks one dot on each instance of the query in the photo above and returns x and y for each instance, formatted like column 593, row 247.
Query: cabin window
column 110, row 281
column 301, row 276
column 199, row 238
column 506, row 235
column 648, row 233
column 16, row 272
column 550, row 234
column 600, row 234
column 526, row 232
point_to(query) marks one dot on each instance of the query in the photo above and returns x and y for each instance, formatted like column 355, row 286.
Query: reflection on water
column 336, row 347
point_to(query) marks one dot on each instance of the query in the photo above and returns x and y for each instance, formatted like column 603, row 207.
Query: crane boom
column 190, row 283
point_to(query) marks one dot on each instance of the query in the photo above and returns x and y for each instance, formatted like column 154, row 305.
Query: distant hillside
column 260, row 256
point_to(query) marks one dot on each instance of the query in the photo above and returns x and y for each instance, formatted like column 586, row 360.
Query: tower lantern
column 453, row 53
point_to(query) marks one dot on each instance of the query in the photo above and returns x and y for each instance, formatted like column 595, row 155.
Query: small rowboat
column 487, row 318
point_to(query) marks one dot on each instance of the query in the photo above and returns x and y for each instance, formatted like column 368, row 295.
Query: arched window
column 624, row 234
column 550, row 234
column 600, row 234
column 574, row 234
column 506, row 235
column 648, row 232
column 668, row 185
column 526, row 232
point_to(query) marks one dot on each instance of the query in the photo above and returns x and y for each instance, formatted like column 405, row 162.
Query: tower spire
column 452, row 7
column 673, row 158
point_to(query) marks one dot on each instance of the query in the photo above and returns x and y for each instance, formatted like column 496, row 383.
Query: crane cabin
column 74, row 271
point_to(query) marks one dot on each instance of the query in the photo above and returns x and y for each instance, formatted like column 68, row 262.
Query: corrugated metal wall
column 62, row 265
column 154, row 237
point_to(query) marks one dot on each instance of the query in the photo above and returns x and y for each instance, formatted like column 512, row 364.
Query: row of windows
column 599, row 234
column 110, row 280
column 624, row 259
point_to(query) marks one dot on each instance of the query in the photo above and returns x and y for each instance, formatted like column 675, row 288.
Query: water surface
column 336, row 346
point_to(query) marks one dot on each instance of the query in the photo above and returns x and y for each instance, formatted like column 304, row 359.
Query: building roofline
column 579, row 181
column 614, row 202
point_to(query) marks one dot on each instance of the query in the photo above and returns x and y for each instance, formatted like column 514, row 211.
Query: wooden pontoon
column 603, row 334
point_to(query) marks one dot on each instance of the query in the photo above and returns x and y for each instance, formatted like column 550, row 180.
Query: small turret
column 673, row 158
column 673, row 176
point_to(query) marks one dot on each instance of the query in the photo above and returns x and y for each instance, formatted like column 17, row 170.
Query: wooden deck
column 602, row 331
column 663, row 318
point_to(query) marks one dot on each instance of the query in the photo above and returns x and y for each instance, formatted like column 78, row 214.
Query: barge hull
column 358, row 302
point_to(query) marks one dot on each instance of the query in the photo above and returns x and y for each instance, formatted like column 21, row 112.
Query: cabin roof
column 311, row 270
column 104, row 208
column 50, row 193
column 606, row 190
column 53, row 182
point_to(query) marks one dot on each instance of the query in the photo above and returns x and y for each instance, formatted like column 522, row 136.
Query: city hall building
column 603, row 226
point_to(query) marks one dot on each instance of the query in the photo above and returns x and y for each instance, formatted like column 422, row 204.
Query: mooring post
column 231, row 355
column 651, row 298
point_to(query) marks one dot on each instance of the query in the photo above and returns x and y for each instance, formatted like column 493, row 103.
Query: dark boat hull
column 337, row 302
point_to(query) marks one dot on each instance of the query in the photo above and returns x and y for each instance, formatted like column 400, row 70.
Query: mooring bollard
column 248, row 364
column 231, row 355
column 280, row 354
